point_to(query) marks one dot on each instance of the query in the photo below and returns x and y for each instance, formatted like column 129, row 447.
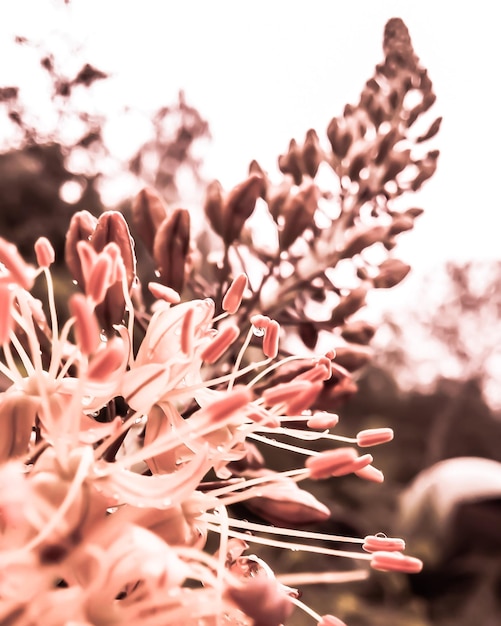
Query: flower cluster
column 117, row 461
column 130, row 429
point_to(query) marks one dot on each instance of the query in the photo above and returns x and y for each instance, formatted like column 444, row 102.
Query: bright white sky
column 265, row 71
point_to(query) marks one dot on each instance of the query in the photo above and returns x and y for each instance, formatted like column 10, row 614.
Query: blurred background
column 98, row 99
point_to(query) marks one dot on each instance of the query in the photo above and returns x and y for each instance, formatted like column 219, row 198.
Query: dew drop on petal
column 258, row 331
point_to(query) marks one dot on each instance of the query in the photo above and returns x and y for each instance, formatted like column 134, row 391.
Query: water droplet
column 86, row 400
column 258, row 331
column 382, row 535
column 157, row 273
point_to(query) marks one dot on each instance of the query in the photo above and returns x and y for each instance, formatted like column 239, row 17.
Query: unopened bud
column 391, row 273
column 361, row 237
column 239, row 206
column 148, row 212
column 290, row 163
column 299, row 211
column 213, row 207
column 171, row 247
column 82, row 226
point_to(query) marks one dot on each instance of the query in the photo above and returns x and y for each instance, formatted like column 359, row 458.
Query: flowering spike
column 86, row 327
column 44, row 252
column 374, row 436
column 233, row 297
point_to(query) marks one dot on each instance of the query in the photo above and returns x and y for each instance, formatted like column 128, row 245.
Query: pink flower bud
column 374, row 436
column 87, row 257
column 396, row 562
column 86, row 326
column 220, row 343
column 376, row 543
column 44, row 252
column 233, row 297
column 270, row 341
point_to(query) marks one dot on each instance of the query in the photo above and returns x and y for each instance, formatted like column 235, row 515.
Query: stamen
column 44, row 252
column 270, row 341
column 99, row 279
column 6, row 321
column 322, row 420
column 161, row 292
column 376, row 543
column 332, row 461
column 21, row 272
column 187, row 332
column 218, row 346
column 86, row 326
column 396, row 562
column 233, row 297
column 284, row 392
column 370, row 473
column 374, row 436
column 87, row 256
column 233, row 400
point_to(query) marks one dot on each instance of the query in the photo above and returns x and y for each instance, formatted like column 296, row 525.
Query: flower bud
column 171, row 247
column 239, row 206
column 148, row 212
column 391, row 273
